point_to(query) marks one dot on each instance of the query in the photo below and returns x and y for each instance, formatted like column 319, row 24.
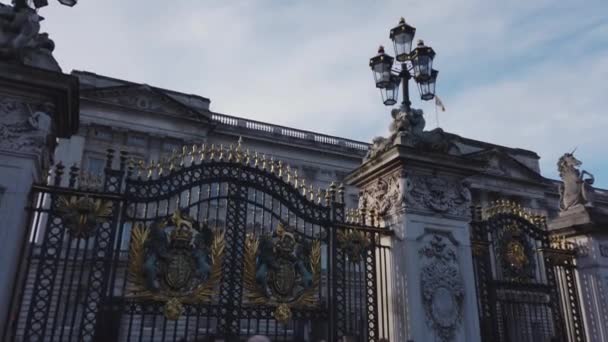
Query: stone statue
column 155, row 249
column 21, row 40
column 575, row 189
column 407, row 128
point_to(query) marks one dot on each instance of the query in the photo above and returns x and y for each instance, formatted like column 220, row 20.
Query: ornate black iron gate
column 212, row 243
column 525, row 283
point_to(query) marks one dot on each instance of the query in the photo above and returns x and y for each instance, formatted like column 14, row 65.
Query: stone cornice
column 400, row 155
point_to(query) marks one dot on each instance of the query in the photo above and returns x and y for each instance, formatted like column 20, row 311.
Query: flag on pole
column 439, row 104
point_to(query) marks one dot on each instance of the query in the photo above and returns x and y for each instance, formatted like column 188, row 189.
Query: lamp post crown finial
column 420, row 42
column 401, row 21
column 380, row 49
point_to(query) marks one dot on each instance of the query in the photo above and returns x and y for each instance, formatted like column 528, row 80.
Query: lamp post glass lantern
column 423, row 61
column 390, row 94
column 416, row 64
column 381, row 65
column 402, row 36
column 427, row 87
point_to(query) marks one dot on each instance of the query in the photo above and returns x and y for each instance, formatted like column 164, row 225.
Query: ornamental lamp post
column 416, row 64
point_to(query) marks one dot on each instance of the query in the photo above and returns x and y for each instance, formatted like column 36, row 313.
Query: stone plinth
column 423, row 197
column 36, row 107
column 587, row 228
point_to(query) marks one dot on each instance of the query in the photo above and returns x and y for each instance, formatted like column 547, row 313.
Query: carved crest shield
column 179, row 270
column 284, row 278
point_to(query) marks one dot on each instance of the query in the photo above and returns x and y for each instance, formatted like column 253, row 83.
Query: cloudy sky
column 522, row 73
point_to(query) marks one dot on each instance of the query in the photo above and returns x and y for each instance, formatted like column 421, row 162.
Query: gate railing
column 526, row 281
column 76, row 282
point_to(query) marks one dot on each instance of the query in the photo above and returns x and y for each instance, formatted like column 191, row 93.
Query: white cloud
column 521, row 73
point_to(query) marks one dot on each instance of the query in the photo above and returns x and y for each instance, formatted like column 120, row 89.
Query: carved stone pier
column 36, row 107
column 587, row 228
column 423, row 197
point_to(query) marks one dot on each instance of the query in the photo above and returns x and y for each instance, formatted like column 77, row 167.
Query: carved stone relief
column 495, row 167
column 25, row 127
column 142, row 98
column 442, row 286
column 437, row 194
column 383, row 196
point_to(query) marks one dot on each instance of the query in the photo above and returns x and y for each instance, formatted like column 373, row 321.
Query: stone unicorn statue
column 576, row 189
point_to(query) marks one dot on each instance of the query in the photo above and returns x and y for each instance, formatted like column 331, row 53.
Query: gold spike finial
column 280, row 169
column 201, row 152
column 221, row 157
column 231, row 155
column 311, row 192
column 247, row 159
column 212, row 152
column 288, row 173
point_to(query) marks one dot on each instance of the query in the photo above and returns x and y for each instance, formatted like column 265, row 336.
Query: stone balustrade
column 280, row 131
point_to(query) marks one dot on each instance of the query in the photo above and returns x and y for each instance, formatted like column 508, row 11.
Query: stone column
column 587, row 228
column 424, row 199
column 36, row 107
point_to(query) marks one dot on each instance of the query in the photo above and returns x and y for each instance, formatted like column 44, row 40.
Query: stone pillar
column 36, row 107
column 424, row 199
column 587, row 228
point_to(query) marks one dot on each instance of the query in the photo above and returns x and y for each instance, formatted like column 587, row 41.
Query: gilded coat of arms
column 516, row 253
column 81, row 216
column 354, row 243
column 282, row 270
column 176, row 261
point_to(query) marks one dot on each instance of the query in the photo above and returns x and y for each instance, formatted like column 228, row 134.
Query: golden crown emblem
column 182, row 233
